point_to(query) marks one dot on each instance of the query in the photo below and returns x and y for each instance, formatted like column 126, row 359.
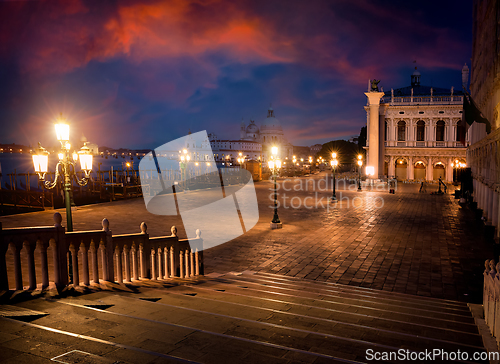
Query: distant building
column 413, row 132
column 483, row 155
column 94, row 148
column 316, row 148
column 255, row 143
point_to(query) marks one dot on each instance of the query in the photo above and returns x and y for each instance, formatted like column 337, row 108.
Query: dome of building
column 252, row 128
column 270, row 123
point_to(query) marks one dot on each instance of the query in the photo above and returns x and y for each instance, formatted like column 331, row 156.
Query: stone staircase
column 235, row 318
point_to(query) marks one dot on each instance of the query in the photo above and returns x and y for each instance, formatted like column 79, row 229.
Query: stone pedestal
column 374, row 130
column 278, row 225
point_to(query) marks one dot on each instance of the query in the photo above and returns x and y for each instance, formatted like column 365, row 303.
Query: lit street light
column 360, row 163
column 334, row 162
column 274, row 165
column 65, row 168
column 65, row 171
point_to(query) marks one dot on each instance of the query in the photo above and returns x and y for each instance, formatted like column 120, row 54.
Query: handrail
column 98, row 255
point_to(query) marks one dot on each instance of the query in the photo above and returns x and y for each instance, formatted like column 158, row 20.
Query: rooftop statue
column 374, row 86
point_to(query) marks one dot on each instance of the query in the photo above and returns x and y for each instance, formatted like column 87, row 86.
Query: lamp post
column 360, row 163
column 65, row 171
column 274, row 165
column 65, row 168
column 334, row 162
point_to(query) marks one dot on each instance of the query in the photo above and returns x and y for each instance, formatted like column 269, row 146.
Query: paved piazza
column 409, row 242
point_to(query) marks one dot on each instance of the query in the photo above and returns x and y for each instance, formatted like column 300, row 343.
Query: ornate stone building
column 483, row 155
column 413, row 133
column 255, row 143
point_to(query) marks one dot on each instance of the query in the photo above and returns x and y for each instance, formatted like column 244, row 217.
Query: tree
column 362, row 137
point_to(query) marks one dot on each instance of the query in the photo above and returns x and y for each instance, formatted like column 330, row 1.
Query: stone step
column 368, row 292
column 343, row 306
column 228, row 300
column 372, row 300
column 250, row 317
column 147, row 326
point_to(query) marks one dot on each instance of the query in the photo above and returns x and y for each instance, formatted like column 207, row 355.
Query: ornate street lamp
column 274, row 165
column 360, row 163
column 334, row 162
column 65, row 168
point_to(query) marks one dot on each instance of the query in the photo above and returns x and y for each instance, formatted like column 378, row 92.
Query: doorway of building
column 439, row 171
column 401, row 167
column 419, row 171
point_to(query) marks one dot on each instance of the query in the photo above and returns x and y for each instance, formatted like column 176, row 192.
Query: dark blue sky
column 140, row 73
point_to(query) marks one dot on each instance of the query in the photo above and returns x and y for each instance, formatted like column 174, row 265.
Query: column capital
column 374, row 97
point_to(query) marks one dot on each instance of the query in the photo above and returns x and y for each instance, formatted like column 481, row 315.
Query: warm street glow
column 360, row 163
column 182, row 158
column 41, row 162
column 61, row 156
column 360, row 157
column 370, row 170
column 75, row 156
column 270, row 164
column 278, row 164
column 334, row 155
column 274, row 150
column 62, row 131
column 184, row 151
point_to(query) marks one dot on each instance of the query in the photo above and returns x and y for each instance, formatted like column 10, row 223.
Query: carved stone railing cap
column 198, row 233
column 144, row 228
column 105, row 225
column 57, row 219
column 173, row 230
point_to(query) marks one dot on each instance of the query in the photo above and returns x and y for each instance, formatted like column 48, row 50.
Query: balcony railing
column 96, row 256
column 427, row 100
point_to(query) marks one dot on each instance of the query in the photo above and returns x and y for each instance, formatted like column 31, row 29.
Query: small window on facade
column 420, row 112
column 401, row 112
column 420, row 131
column 440, row 131
column 441, row 112
column 401, row 130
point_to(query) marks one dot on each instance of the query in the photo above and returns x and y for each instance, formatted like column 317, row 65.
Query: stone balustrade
column 491, row 298
column 94, row 256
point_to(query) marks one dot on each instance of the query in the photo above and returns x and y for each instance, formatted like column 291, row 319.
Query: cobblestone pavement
column 409, row 242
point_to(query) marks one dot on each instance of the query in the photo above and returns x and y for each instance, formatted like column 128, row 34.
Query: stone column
column 373, row 131
column 392, row 169
column 449, row 170
column 429, row 170
column 410, row 169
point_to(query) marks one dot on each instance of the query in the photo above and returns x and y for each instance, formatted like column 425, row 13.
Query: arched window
column 440, row 131
column 460, row 131
column 401, row 131
column 386, row 131
column 420, row 131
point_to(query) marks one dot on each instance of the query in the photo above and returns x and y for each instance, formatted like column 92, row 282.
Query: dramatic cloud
column 125, row 70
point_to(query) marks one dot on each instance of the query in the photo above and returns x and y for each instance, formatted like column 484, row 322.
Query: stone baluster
column 104, row 260
column 153, row 264
column 191, row 256
column 126, row 260
column 197, row 262
column 181, row 264
column 186, row 263
column 30, row 250
column 160, row 265
column 17, row 266
column 44, row 262
column 119, row 268
column 85, row 264
column 142, row 261
column 165, row 261
column 133, row 255
column 74, row 257
column 108, row 254
column 95, row 265
column 4, row 282
column 172, row 262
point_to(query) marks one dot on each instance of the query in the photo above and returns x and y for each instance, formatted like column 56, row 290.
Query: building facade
column 413, row 133
column 255, row 143
column 483, row 155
